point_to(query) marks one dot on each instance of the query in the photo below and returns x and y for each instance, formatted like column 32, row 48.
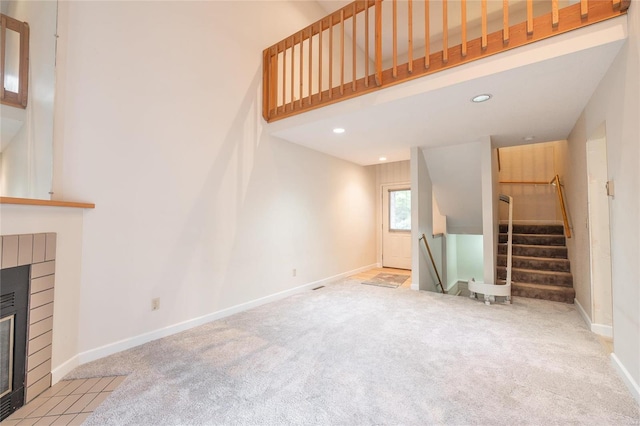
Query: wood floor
column 367, row 275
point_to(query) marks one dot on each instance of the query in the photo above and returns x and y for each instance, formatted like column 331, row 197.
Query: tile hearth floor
column 67, row 402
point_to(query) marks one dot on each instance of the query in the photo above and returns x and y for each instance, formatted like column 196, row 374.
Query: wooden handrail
column 433, row 262
column 292, row 99
column 525, row 182
column 46, row 203
column 556, row 182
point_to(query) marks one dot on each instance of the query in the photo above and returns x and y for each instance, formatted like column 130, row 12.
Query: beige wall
column 538, row 162
column 196, row 204
column 615, row 103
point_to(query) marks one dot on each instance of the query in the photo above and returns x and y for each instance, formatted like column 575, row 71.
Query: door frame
column 381, row 212
column 599, row 229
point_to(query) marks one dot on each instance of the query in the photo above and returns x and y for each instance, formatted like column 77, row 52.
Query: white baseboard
column 124, row 344
column 634, row 388
column 65, row 368
column 453, row 288
column 599, row 329
column 582, row 313
column 415, row 286
column 607, row 331
column 603, row 330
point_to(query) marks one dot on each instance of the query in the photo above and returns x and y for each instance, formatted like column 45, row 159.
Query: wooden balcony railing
column 350, row 52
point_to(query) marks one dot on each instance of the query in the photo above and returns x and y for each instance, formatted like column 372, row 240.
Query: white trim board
column 599, row 329
column 634, row 388
column 93, row 354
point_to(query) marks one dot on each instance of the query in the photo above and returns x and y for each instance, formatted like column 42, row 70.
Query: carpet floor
column 350, row 354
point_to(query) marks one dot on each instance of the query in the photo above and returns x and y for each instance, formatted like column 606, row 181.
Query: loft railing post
column 366, row 44
column 273, row 80
column 445, row 32
column 265, row 84
column 427, row 35
column 269, row 82
column 529, row 17
column 483, row 11
column 378, row 34
column 354, row 47
column 584, row 9
column 395, row 38
column 463, row 20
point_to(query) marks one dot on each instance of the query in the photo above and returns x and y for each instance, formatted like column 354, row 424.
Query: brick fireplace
column 35, row 253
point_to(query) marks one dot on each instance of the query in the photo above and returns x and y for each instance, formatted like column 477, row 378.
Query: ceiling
column 538, row 90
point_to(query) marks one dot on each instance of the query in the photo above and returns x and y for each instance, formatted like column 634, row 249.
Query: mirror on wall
column 14, row 61
column 28, row 80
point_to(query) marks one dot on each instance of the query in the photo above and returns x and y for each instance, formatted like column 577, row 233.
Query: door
column 599, row 230
column 396, row 226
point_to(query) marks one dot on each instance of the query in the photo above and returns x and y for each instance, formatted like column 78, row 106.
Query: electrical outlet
column 294, row 272
column 155, row 304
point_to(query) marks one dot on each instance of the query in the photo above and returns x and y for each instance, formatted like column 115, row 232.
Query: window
column 400, row 210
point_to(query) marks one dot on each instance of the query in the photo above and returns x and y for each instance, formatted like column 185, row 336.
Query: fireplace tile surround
column 38, row 251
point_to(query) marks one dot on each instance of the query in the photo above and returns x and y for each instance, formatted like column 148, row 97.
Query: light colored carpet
column 351, row 354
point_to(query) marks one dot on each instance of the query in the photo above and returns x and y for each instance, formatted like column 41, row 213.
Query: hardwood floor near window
column 367, row 275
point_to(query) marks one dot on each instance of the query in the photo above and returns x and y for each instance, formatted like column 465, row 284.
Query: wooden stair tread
column 537, row 271
column 550, row 259
column 549, row 287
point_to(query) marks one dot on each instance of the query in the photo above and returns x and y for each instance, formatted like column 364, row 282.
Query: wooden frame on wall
column 8, row 97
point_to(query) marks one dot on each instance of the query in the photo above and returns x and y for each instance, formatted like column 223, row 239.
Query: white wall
column 27, row 160
column 469, row 252
column 616, row 103
column 451, row 260
column 455, row 172
column 489, row 178
column 195, row 203
column 423, row 274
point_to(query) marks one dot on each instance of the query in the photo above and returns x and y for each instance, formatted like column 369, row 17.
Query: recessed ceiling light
column 338, row 130
column 382, row 158
column 481, row 98
column 529, row 138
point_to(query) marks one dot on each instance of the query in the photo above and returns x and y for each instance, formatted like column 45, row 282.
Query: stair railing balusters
column 274, row 103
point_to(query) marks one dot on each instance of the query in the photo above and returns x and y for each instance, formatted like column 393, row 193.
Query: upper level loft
column 368, row 45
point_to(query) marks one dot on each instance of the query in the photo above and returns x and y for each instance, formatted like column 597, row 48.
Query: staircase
column 540, row 268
